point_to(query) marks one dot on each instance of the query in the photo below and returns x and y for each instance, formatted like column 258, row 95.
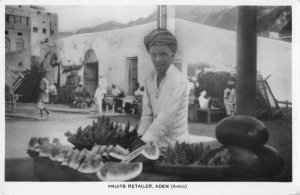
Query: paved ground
column 25, row 123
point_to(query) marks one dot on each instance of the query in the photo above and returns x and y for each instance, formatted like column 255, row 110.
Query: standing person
column 165, row 100
column 100, row 92
column 230, row 98
column 43, row 95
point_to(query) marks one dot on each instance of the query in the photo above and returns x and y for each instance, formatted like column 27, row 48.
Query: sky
column 72, row 18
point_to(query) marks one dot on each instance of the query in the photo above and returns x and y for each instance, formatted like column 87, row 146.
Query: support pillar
column 246, row 60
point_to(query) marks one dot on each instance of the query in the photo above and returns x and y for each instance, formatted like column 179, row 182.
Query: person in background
column 204, row 100
column 100, row 93
column 43, row 95
column 165, row 101
column 230, row 98
column 53, row 93
column 116, row 92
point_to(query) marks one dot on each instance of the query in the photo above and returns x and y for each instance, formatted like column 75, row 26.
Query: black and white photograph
column 150, row 96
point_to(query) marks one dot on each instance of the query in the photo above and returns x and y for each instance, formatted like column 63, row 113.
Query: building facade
column 26, row 26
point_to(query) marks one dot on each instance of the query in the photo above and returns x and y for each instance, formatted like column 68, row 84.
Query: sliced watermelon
column 91, row 164
column 67, row 157
column 82, row 155
column 33, row 143
column 46, row 149
column 114, row 171
column 73, row 159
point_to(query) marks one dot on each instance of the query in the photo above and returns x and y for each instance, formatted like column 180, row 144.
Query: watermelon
column 118, row 153
column 114, row 171
column 82, row 155
column 72, row 162
column 151, row 151
column 244, row 160
column 67, row 157
column 272, row 162
column 244, row 131
column 33, row 143
column 91, row 164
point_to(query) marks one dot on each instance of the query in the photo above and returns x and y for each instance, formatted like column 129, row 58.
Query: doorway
column 91, row 72
column 133, row 73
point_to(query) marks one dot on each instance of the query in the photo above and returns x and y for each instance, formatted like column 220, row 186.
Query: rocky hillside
column 269, row 18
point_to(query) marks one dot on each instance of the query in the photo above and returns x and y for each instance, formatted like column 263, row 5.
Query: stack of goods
column 103, row 132
column 244, row 138
column 102, row 160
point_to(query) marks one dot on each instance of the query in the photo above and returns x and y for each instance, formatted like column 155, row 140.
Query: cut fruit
column 67, row 157
column 151, row 151
column 91, row 164
column 73, row 159
column 95, row 150
column 113, row 171
column 119, row 153
column 46, row 149
column 55, row 141
column 133, row 154
column 33, row 143
column 82, row 155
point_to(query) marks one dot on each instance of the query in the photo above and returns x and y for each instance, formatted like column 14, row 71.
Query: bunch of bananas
column 104, row 132
column 194, row 154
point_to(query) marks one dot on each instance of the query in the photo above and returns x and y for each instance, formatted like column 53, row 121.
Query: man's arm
column 147, row 113
column 165, row 118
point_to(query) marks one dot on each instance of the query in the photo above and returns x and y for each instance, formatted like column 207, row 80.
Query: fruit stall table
column 47, row 170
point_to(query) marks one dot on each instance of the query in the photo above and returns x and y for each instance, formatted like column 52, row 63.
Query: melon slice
column 91, row 164
column 119, row 153
column 133, row 154
column 55, row 141
column 114, row 171
column 33, row 143
column 82, row 155
column 72, row 162
column 46, row 149
column 151, row 151
column 102, row 149
column 59, row 152
column 67, row 157
column 95, row 150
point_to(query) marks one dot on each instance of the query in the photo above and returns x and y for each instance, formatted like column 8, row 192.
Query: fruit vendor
column 165, row 100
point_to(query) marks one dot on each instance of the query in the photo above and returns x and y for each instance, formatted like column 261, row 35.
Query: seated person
column 204, row 100
column 117, row 92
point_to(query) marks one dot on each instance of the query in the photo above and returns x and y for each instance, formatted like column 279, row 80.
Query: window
column 7, row 45
column 20, row 34
column 6, row 32
column 44, row 31
column 24, row 20
column 52, row 32
column 11, row 19
column 19, row 44
column 17, row 19
column 35, row 29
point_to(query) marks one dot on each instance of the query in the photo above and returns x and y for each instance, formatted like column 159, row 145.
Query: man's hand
column 136, row 144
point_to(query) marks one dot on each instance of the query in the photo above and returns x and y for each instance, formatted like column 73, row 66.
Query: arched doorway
column 90, row 72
